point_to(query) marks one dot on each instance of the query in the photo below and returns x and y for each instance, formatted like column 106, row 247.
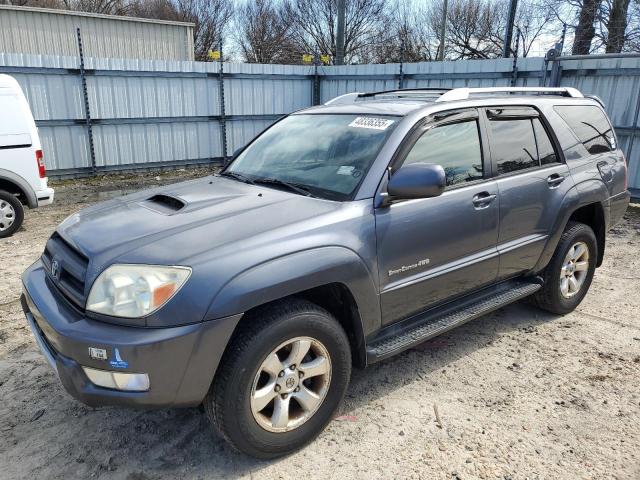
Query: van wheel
column 569, row 274
column 281, row 379
column 11, row 214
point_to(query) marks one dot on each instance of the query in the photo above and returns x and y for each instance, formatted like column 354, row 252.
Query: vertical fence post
column 514, row 68
column 634, row 129
column 223, row 119
column 556, row 73
column 87, row 111
column 316, row 81
column 401, row 77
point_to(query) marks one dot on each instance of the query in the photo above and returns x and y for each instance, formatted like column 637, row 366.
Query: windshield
column 324, row 155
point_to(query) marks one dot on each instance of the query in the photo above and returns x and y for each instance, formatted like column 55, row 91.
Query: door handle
column 555, row 180
column 483, row 200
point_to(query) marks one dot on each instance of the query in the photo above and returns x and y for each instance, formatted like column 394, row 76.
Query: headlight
column 133, row 291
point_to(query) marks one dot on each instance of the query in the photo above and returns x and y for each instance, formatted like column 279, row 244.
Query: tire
column 11, row 214
column 228, row 405
column 551, row 296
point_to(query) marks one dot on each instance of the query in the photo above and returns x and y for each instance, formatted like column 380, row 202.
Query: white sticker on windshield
column 371, row 122
column 345, row 170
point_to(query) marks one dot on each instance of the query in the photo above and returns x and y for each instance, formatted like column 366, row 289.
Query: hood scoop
column 164, row 204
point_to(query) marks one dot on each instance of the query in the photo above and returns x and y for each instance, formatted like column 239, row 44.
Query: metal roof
column 94, row 15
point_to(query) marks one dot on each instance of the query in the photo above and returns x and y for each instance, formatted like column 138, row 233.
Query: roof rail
column 345, row 99
column 414, row 93
column 463, row 93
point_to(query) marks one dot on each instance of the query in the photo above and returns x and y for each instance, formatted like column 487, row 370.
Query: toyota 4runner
column 342, row 235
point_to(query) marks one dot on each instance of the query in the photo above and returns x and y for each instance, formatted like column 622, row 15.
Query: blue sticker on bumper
column 118, row 362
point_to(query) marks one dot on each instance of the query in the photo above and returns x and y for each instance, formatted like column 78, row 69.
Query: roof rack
column 448, row 95
column 464, row 93
column 429, row 93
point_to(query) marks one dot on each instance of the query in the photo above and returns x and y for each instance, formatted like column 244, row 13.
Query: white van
column 23, row 179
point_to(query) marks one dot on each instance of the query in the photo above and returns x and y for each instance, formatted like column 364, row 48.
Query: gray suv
column 342, row 235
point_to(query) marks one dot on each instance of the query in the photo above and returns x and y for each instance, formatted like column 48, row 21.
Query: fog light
column 132, row 382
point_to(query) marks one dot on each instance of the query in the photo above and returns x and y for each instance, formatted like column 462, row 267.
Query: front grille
column 71, row 269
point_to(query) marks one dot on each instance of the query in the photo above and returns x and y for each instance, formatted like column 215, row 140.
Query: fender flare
column 296, row 272
column 580, row 195
column 22, row 184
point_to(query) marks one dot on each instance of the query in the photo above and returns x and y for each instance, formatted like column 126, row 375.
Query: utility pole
column 508, row 34
column 443, row 31
column 340, row 33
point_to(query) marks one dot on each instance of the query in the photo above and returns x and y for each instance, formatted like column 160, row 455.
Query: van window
column 590, row 125
column 513, row 145
column 12, row 120
column 456, row 147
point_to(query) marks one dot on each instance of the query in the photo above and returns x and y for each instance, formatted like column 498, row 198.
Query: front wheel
column 11, row 214
column 281, row 379
column 570, row 271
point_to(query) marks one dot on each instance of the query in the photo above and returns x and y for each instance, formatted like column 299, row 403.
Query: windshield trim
column 356, row 189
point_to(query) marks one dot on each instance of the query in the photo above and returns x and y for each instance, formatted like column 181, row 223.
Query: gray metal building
column 53, row 32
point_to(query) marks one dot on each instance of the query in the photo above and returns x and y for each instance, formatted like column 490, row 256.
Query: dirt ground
column 521, row 394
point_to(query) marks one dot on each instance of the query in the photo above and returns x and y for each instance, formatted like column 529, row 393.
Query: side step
column 409, row 333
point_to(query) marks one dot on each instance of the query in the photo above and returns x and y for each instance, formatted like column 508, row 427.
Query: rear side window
column 514, row 145
column 546, row 153
column 455, row 146
column 590, row 125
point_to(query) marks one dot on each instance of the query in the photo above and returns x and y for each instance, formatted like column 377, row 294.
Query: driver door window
column 454, row 146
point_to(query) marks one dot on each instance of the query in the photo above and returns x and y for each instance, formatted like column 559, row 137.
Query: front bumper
column 180, row 361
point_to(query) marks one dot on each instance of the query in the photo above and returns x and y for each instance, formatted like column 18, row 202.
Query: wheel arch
column 585, row 203
column 333, row 278
column 15, row 184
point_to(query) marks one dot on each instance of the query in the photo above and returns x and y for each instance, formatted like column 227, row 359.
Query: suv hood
column 169, row 225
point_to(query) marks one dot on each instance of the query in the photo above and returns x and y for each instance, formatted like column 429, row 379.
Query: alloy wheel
column 291, row 384
column 574, row 269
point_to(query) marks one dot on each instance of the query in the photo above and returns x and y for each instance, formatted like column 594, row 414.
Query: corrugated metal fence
column 159, row 113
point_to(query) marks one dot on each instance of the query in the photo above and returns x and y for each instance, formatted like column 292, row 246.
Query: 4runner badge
column 406, row 268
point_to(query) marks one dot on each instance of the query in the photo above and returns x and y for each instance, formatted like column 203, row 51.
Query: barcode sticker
column 371, row 122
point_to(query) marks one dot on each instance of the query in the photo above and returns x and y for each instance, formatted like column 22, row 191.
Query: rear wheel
column 569, row 274
column 281, row 379
column 11, row 214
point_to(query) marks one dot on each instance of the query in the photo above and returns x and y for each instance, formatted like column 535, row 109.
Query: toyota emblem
column 55, row 268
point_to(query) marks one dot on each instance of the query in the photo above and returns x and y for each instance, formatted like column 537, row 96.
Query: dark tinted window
column 546, row 154
column 590, row 125
column 513, row 146
column 455, row 146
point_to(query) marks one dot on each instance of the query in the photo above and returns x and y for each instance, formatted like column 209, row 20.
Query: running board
column 412, row 332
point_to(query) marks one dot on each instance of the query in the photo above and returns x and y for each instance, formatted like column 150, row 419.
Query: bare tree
column 211, row 18
column 616, row 24
column 314, row 26
column 585, row 31
column 534, row 21
column 474, row 28
column 264, row 32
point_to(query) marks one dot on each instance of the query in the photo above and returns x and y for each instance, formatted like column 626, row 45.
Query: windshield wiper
column 238, row 176
column 294, row 187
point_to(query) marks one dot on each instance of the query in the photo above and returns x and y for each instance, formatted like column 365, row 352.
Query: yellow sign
column 325, row 59
column 214, row 54
column 307, row 58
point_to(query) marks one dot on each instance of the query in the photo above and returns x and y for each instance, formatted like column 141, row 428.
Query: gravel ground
column 521, row 394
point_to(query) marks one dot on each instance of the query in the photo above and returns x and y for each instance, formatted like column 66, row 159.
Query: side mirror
column 417, row 180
